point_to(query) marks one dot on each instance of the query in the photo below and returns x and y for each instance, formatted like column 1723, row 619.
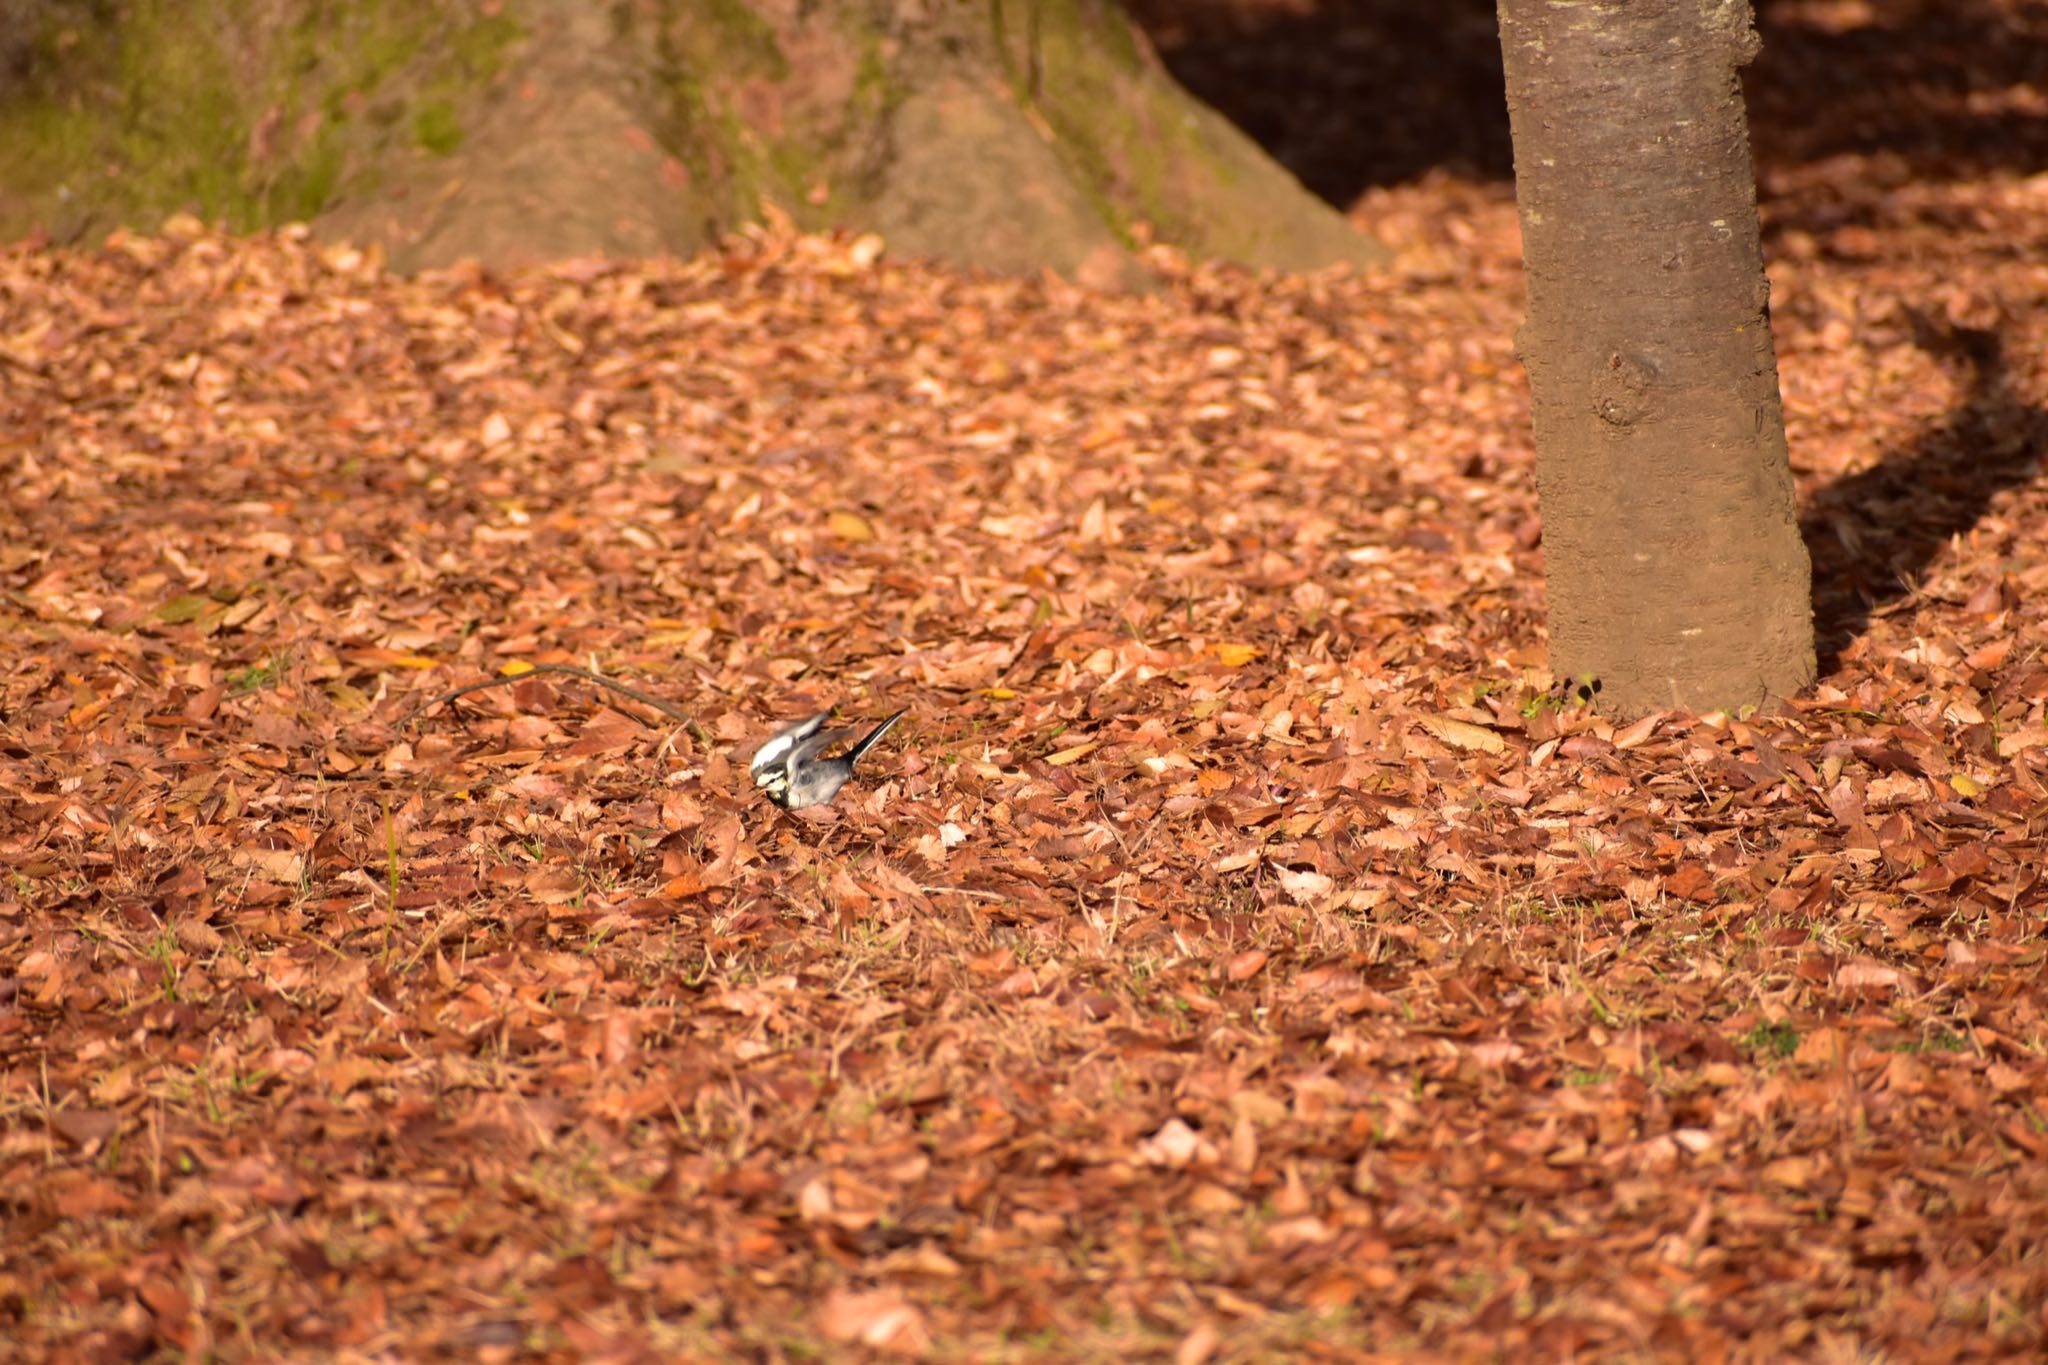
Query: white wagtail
column 789, row 772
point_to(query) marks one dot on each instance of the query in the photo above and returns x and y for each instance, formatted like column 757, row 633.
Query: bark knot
column 1621, row 391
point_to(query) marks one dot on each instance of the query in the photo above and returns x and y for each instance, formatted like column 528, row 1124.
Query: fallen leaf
column 850, row 526
column 1235, row 655
column 1463, row 734
column 881, row 1319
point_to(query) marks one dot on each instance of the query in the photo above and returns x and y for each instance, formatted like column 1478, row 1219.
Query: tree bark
column 1676, row 573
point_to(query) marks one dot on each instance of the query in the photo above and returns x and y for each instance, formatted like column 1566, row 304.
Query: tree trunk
column 1677, row 576
column 1008, row 134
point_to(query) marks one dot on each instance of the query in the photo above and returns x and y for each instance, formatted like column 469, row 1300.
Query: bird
column 789, row 771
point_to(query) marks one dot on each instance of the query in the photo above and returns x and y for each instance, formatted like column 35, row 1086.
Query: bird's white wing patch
column 782, row 743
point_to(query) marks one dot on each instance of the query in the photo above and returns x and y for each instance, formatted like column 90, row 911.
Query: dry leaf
column 1462, row 734
column 1235, row 655
column 881, row 1319
column 850, row 526
column 1175, row 1145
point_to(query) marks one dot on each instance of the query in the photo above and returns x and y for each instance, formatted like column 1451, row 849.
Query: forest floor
column 1238, row 953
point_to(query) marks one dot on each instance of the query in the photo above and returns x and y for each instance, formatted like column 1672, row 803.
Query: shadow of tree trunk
column 1874, row 535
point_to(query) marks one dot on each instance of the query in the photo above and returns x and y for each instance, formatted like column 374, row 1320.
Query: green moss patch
column 252, row 113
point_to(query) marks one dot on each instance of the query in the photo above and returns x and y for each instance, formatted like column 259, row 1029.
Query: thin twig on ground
column 570, row 670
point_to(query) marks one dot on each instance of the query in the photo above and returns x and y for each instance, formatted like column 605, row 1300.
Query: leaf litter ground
column 1239, row 952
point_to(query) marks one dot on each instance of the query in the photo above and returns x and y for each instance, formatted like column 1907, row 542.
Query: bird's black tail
column 868, row 741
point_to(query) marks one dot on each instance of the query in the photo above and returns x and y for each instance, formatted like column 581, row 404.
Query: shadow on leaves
column 1873, row 535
